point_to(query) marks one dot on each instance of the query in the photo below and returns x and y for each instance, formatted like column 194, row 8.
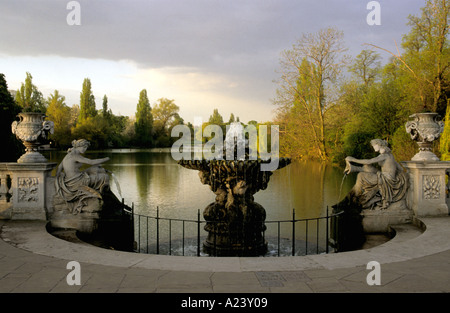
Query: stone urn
column 31, row 129
column 424, row 129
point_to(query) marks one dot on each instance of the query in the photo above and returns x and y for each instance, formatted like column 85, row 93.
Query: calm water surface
column 151, row 179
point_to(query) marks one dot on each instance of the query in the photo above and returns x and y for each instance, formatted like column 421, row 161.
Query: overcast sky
column 204, row 54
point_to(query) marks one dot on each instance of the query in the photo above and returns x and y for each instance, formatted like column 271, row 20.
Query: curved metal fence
column 184, row 237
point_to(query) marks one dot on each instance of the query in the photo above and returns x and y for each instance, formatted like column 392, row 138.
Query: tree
column 366, row 66
column 95, row 129
column 60, row 114
column 164, row 112
column 215, row 118
column 425, row 64
column 106, row 113
column 433, row 29
column 165, row 116
column 29, row 98
column 382, row 110
column 305, row 93
column 129, row 131
column 445, row 138
column 11, row 147
column 87, row 101
column 144, row 120
column 426, row 57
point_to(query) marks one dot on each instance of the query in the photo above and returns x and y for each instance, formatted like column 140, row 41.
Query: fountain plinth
column 235, row 222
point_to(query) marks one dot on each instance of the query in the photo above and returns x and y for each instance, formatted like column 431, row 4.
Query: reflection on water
column 152, row 178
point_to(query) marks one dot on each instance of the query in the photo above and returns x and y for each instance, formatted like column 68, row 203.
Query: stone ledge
column 13, row 166
column 33, row 237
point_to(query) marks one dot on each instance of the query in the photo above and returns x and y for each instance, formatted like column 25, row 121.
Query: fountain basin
column 235, row 222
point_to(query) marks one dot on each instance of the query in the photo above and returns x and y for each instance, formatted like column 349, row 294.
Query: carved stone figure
column 83, row 201
column 377, row 200
column 378, row 188
column 76, row 186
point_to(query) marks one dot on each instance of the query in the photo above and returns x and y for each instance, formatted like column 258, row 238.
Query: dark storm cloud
column 188, row 33
column 238, row 39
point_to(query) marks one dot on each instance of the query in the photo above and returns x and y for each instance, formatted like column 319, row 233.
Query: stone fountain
column 235, row 222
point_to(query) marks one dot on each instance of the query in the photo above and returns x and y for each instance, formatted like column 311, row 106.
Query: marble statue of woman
column 75, row 186
column 376, row 188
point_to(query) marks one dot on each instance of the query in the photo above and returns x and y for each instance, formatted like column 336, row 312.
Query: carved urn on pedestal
column 424, row 129
column 31, row 129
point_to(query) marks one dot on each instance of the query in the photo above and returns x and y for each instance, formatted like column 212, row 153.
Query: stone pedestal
column 235, row 231
column 85, row 222
column 428, row 187
column 28, row 189
column 379, row 221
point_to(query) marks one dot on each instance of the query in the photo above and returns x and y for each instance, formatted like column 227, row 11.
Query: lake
column 151, row 178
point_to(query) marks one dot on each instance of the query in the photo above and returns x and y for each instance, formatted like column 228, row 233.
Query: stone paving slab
column 32, row 260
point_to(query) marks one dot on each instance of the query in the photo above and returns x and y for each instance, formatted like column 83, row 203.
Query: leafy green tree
column 116, row 125
column 11, row 147
column 29, row 98
column 342, row 122
column 422, row 71
column 382, row 110
column 87, row 101
column 164, row 112
column 93, row 128
column 367, row 111
column 128, row 133
column 59, row 113
column 427, row 56
column 444, row 147
column 403, row 148
column 144, row 121
column 326, row 123
column 215, row 118
column 165, row 116
column 366, row 67
column 106, row 112
column 310, row 71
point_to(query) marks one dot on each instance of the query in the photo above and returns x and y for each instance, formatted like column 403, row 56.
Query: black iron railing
column 173, row 236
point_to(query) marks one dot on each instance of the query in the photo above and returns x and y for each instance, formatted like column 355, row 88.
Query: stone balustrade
column 428, row 189
column 26, row 190
column 5, row 192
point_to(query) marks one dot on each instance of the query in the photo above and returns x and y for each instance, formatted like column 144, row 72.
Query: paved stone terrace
column 32, row 260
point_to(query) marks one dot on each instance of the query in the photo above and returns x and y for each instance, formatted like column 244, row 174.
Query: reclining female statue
column 76, row 186
column 377, row 188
